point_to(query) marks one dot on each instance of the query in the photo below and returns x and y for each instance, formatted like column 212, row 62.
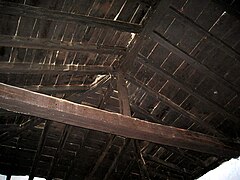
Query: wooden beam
column 191, row 60
column 174, row 106
column 31, row 103
column 41, row 143
column 125, row 110
column 218, row 43
column 60, row 16
column 101, row 158
column 151, row 24
column 47, row 44
column 115, row 161
column 70, row 172
column 7, row 113
column 123, row 95
column 166, row 164
column 37, row 68
column 194, row 92
column 110, row 140
column 59, row 88
column 22, row 128
column 141, row 161
column 79, row 97
column 56, row 157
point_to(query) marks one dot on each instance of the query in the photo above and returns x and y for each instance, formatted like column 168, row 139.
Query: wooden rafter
column 43, row 13
column 47, row 44
column 176, row 107
column 55, row 160
column 59, row 88
column 37, row 68
column 79, row 97
column 166, row 164
column 59, row 110
column 125, row 110
column 218, row 108
column 217, row 42
column 11, row 133
column 191, row 60
column 39, row 150
column 152, row 23
column 83, row 90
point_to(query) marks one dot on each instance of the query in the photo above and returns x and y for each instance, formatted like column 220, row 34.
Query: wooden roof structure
column 118, row 89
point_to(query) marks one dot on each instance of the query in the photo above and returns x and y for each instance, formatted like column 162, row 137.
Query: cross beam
column 43, row 13
column 46, row 44
column 37, row 68
column 62, row 111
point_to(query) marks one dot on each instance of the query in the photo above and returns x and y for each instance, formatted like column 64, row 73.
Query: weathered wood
column 21, row 128
column 62, row 111
column 123, row 95
column 108, row 144
column 189, row 59
column 35, row 68
column 125, row 110
column 152, row 23
column 54, row 162
column 60, row 16
column 79, row 97
column 218, row 108
column 37, row 43
column 115, row 161
column 39, row 150
column 176, row 107
column 169, row 165
column 59, row 88
column 217, row 42
column 101, row 157
column 141, row 162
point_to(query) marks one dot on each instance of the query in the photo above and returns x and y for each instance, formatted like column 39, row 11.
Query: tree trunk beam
column 31, row 103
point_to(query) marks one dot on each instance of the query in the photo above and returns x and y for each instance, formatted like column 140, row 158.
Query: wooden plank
column 41, row 143
column 125, row 110
column 59, row 88
column 123, row 95
column 36, row 68
column 151, row 24
column 47, row 44
column 218, row 108
column 78, row 98
column 217, row 42
column 176, row 107
column 60, row 16
column 169, row 165
column 189, row 59
column 57, row 155
column 22, row 128
column 31, row 103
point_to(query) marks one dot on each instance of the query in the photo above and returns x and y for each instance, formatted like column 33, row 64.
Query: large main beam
column 43, row 13
column 47, row 44
column 62, row 111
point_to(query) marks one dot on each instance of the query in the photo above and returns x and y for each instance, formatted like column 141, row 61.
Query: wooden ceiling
column 118, row 89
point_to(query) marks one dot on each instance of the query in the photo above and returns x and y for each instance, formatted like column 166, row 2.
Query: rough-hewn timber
column 35, row 104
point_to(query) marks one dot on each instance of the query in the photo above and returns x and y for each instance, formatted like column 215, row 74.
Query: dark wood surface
column 182, row 58
column 63, row 111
